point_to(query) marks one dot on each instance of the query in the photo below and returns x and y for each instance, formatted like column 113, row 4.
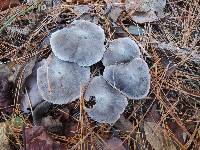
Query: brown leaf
column 5, row 4
column 156, row 137
column 4, row 142
column 123, row 124
column 153, row 115
column 177, row 131
column 114, row 144
column 36, row 138
column 5, row 94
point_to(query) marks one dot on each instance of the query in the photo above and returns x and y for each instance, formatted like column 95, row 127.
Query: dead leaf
column 36, row 138
column 177, row 131
column 4, row 142
column 156, row 137
column 123, row 124
column 114, row 144
column 5, row 4
column 5, row 94
column 29, row 67
column 153, row 115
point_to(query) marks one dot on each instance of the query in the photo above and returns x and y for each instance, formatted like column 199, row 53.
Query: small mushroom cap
column 145, row 10
column 81, row 9
column 145, row 5
column 59, row 81
column 32, row 95
column 132, row 79
column 145, row 17
column 82, row 43
column 109, row 102
column 121, row 50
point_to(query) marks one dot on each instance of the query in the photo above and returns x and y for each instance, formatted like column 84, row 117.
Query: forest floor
column 168, row 118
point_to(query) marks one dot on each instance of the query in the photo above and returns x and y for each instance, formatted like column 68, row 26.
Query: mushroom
column 82, row 42
column 145, row 10
column 81, row 9
column 145, row 17
column 114, row 9
column 31, row 98
column 132, row 78
column 120, row 50
column 32, row 95
column 81, row 45
column 59, row 81
column 109, row 102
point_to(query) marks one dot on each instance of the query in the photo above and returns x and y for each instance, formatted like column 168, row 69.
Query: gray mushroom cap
column 132, row 79
column 120, row 50
column 81, row 9
column 145, row 5
column 82, row 43
column 59, row 81
column 145, row 17
column 146, row 10
column 109, row 102
column 32, row 95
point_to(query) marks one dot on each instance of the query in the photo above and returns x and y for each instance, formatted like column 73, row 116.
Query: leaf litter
column 167, row 118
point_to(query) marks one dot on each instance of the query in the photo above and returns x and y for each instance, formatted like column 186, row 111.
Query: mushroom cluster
column 75, row 49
